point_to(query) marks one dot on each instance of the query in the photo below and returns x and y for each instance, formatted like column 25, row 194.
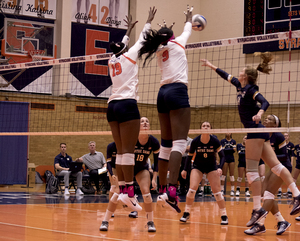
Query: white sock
column 107, row 215
column 256, row 202
column 188, row 208
column 149, row 216
column 279, row 217
column 223, row 212
column 294, row 189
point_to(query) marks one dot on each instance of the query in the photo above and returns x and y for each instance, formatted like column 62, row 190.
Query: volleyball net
column 69, row 96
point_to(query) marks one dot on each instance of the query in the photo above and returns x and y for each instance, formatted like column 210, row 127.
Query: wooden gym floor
column 30, row 214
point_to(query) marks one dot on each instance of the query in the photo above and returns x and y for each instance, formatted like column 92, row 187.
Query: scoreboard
column 269, row 16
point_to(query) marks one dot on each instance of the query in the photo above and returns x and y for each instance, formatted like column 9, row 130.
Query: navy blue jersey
column 142, row 152
column 63, row 161
column 290, row 150
column 297, row 154
column 240, row 148
column 205, row 153
column 111, row 153
column 279, row 146
column 247, row 98
column 228, row 148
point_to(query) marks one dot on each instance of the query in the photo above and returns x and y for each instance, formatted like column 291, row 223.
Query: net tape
column 191, row 46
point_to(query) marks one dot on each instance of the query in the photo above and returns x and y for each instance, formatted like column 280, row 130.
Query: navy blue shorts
column 265, row 136
column 172, row 97
column 205, row 168
column 229, row 160
column 288, row 165
column 139, row 168
column 242, row 163
column 261, row 162
column 122, row 110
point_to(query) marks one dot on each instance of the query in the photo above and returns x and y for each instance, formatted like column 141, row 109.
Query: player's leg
column 213, row 178
column 270, row 158
column 231, row 174
column 241, row 171
column 195, row 178
column 223, row 177
column 129, row 131
column 143, row 179
column 253, row 152
column 165, row 150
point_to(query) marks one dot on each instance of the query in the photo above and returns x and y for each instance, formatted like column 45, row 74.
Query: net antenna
column 36, row 55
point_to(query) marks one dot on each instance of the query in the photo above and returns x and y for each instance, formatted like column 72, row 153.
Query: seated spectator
column 61, row 164
column 94, row 161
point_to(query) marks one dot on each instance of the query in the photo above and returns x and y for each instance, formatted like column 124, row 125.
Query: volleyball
column 198, row 22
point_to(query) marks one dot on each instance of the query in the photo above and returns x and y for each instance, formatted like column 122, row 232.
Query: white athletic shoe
column 247, row 194
column 79, row 192
column 237, row 193
column 231, row 193
column 131, row 202
column 151, row 227
column 66, row 191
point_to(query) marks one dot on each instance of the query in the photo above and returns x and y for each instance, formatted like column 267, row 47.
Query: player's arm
column 264, row 106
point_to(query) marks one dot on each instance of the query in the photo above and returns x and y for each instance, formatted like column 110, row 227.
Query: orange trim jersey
column 172, row 60
column 123, row 71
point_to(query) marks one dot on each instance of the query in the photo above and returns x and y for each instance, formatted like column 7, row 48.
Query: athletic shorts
column 229, row 160
column 122, row 110
column 242, row 163
column 265, row 136
column 139, row 168
column 172, row 97
column 261, row 162
column 205, row 168
column 288, row 165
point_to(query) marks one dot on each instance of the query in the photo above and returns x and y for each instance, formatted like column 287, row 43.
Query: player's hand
column 189, row 14
column 129, row 22
column 219, row 170
column 183, row 174
column 256, row 118
column 154, row 185
column 151, row 15
column 114, row 177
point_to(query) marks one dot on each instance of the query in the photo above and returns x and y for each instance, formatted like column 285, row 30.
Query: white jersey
column 172, row 60
column 123, row 71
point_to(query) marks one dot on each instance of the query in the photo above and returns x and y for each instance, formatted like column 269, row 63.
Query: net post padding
column 36, row 55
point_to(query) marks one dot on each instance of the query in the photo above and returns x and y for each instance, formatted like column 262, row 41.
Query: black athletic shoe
column 185, row 217
column 282, row 226
column 104, row 226
column 296, row 205
column 224, row 220
column 166, row 201
column 279, row 194
column 151, row 227
column 133, row 214
column 298, row 218
column 256, row 216
column 256, row 229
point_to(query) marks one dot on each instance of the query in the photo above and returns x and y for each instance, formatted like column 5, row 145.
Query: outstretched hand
column 189, row 14
column 151, row 15
column 129, row 22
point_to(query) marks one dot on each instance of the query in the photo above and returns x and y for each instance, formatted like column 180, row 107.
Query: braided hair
column 263, row 67
column 153, row 39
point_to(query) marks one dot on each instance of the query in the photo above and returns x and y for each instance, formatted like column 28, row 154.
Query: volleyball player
column 229, row 147
column 257, row 144
column 297, row 167
column 242, row 169
column 271, row 184
column 123, row 115
column 205, row 146
column 172, row 102
column 145, row 145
